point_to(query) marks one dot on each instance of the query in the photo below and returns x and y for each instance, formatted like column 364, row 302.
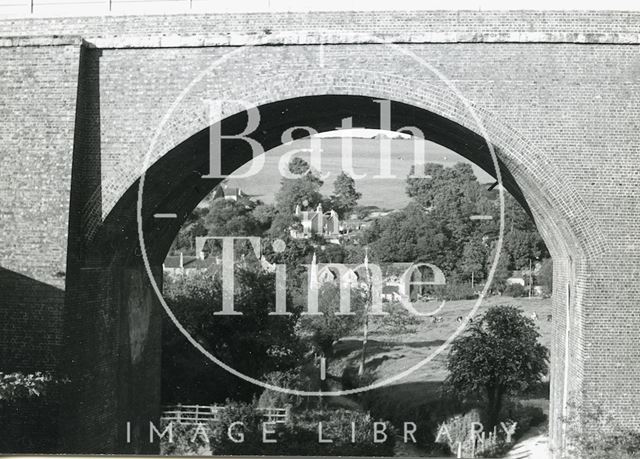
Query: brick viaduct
column 88, row 104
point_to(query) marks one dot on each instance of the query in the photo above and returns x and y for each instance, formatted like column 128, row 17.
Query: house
column 395, row 285
column 317, row 222
column 227, row 192
column 391, row 293
column 189, row 265
column 517, row 277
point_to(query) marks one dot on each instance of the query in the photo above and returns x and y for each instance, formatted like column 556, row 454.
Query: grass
column 391, row 354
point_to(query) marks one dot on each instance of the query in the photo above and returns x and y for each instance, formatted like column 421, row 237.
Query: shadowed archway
column 174, row 183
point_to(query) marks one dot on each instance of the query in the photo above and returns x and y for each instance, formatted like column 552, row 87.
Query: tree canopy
column 498, row 355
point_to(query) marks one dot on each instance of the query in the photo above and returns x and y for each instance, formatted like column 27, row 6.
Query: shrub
column 593, row 432
column 29, row 412
column 455, row 292
column 515, row 291
column 526, row 416
column 291, row 379
column 428, row 412
column 299, row 436
column 458, row 429
column 302, row 435
column 186, row 440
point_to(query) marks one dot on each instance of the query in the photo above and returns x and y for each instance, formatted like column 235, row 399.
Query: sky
column 388, row 193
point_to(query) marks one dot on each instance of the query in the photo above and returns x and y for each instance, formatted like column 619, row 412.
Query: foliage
column 545, row 276
column 473, row 259
column 193, row 227
column 521, row 239
column 322, row 331
column 592, row 431
column 17, row 386
column 187, row 440
column 303, row 191
column 345, row 196
column 291, row 379
column 453, row 291
column 526, row 416
column 397, row 321
column 29, row 411
column 254, row 343
column 502, row 272
column 459, row 431
column 232, row 218
column 300, row 435
column 515, row 290
column 499, row 355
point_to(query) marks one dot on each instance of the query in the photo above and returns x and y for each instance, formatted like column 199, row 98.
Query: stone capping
column 45, row 40
column 317, row 38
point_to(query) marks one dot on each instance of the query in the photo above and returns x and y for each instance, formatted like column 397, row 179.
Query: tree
column 345, row 196
column 498, row 356
column 474, row 255
column 193, row 227
column 264, row 214
column 303, row 191
column 545, row 275
column 521, row 239
column 254, row 343
column 502, row 272
column 324, row 330
column 299, row 166
column 232, row 218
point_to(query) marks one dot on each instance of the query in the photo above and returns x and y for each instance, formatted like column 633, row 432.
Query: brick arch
column 179, row 158
column 564, row 219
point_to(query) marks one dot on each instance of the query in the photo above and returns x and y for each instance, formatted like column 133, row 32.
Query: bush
column 493, row 444
column 29, row 412
column 299, row 436
column 526, row 417
column 455, row 292
column 593, row 432
column 515, row 291
column 186, row 440
column 428, row 412
column 458, row 428
column 302, row 436
column 292, row 379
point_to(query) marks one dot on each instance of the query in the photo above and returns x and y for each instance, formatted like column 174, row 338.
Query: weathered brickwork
column 381, row 23
column 38, row 108
column 563, row 118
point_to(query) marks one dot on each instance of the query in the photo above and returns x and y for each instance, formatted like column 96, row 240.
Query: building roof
column 192, row 262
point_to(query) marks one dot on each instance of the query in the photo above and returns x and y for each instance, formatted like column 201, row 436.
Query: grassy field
column 391, row 354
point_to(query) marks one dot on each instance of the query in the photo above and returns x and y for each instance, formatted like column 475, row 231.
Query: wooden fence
column 202, row 414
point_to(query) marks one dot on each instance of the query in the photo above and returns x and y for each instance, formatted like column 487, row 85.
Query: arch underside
column 175, row 183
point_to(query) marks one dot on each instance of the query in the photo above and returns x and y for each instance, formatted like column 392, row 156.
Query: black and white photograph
column 322, row 229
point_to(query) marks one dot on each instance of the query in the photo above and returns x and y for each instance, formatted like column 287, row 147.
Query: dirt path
column 533, row 445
